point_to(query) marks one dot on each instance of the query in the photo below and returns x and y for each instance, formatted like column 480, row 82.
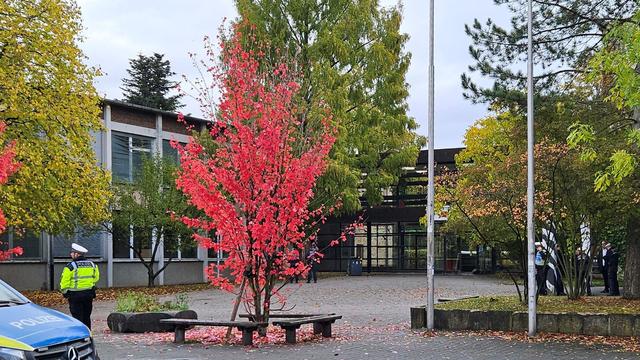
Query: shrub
column 140, row 302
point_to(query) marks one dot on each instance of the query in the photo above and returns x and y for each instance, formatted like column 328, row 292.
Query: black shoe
column 605, row 291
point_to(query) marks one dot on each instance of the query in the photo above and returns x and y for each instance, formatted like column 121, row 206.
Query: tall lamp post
column 530, row 187
column 430, row 190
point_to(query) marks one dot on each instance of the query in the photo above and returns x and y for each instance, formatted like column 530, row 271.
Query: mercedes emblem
column 72, row 354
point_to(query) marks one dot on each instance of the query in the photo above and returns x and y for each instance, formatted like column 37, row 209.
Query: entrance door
column 384, row 247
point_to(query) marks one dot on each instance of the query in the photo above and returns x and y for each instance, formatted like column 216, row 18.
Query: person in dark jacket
column 312, row 260
column 604, row 269
column 582, row 269
column 293, row 263
column 612, row 257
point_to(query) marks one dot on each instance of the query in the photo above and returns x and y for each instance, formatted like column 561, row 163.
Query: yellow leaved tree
column 51, row 109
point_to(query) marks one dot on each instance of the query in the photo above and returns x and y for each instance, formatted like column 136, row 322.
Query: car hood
column 37, row 326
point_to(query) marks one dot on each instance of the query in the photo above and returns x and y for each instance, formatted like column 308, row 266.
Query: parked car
column 30, row 332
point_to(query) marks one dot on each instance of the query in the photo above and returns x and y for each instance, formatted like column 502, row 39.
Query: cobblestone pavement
column 375, row 325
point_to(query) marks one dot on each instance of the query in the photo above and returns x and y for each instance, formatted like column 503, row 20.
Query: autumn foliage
column 253, row 177
column 7, row 167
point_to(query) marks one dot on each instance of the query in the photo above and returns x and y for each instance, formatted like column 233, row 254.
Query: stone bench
column 321, row 324
column 247, row 327
column 146, row 321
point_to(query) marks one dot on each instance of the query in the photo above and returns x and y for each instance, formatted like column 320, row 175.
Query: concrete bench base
column 321, row 325
column 247, row 327
column 566, row 323
column 146, row 321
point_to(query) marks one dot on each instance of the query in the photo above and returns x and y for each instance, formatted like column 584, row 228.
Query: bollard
column 418, row 317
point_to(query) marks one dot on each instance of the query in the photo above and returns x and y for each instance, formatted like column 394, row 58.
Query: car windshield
column 10, row 296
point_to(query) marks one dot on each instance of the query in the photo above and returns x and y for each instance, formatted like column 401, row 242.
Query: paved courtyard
column 375, row 325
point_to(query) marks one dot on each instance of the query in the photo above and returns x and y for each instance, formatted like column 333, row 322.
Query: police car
column 30, row 332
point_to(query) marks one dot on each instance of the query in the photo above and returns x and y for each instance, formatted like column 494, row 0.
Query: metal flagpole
column 430, row 192
column 530, row 187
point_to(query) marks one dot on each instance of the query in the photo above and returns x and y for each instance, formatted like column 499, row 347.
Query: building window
column 179, row 246
column 127, row 153
column 91, row 239
column 142, row 242
column 29, row 241
column 169, row 152
column 121, row 241
column 128, row 238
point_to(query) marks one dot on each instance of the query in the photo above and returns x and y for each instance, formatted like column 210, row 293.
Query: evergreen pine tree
column 148, row 83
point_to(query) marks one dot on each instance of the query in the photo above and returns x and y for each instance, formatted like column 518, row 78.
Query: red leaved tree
column 253, row 177
column 7, row 167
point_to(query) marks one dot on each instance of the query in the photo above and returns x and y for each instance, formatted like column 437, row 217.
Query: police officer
column 78, row 284
column 541, row 269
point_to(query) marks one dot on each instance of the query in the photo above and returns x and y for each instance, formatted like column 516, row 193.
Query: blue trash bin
column 355, row 267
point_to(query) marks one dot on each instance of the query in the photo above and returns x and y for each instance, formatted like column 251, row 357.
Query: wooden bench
column 251, row 317
column 321, row 325
column 247, row 327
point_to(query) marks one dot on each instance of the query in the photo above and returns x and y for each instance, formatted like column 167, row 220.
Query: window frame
column 10, row 243
column 131, row 148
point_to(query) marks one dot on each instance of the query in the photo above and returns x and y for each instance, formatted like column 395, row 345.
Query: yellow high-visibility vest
column 79, row 275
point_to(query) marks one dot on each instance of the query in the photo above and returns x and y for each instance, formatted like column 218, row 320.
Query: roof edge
column 151, row 110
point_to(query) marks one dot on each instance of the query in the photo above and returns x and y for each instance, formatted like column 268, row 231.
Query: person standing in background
column 582, row 269
column 78, row 284
column 313, row 262
column 541, row 273
column 612, row 257
column 602, row 262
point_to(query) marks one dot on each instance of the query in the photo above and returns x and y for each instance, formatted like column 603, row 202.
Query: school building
column 392, row 239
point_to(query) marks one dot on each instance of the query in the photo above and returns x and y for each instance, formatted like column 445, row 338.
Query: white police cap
column 79, row 249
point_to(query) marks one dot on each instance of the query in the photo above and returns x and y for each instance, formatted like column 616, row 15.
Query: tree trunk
column 236, row 305
column 631, row 287
column 151, row 278
column 632, row 259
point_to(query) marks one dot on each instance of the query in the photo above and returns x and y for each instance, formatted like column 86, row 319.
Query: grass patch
column 548, row 304
column 140, row 302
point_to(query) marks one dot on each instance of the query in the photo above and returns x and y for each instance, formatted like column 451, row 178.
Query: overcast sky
column 117, row 30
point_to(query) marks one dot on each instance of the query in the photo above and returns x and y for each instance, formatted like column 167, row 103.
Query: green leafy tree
column 566, row 34
column 616, row 72
column 148, row 83
column 349, row 56
column 488, row 193
column 146, row 207
column 51, row 109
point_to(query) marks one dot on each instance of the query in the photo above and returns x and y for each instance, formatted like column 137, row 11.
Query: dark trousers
column 614, row 290
column 293, row 264
column 541, row 279
column 605, row 277
column 559, row 284
column 587, row 284
column 81, row 305
column 313, row 274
